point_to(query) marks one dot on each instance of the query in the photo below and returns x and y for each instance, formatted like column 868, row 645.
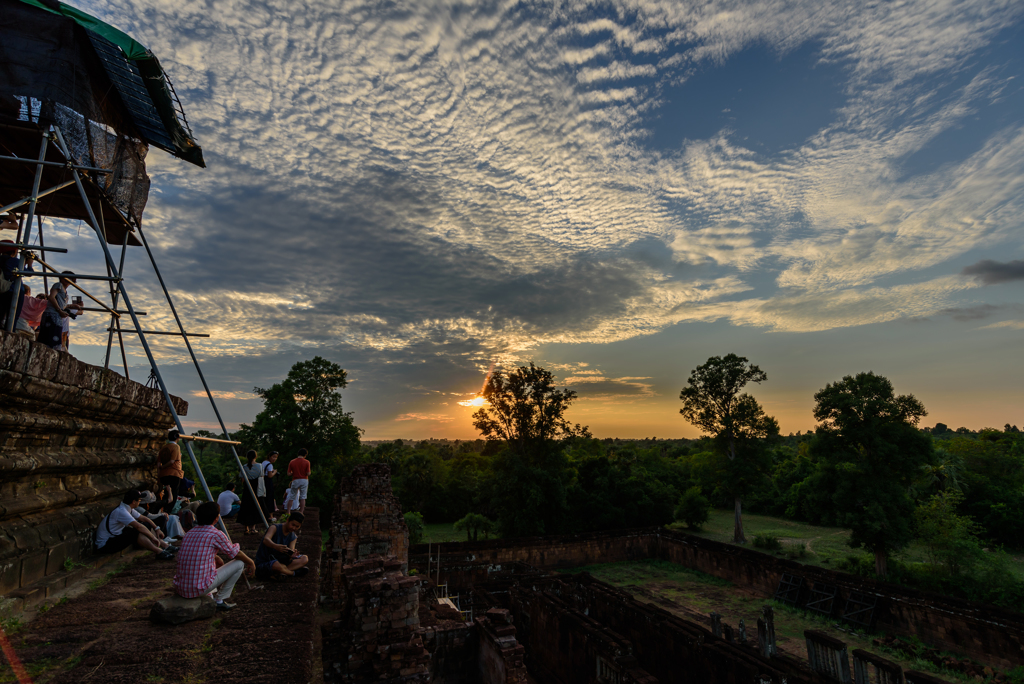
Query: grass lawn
column 822, row 545
column 444, row 532
column 693, row 595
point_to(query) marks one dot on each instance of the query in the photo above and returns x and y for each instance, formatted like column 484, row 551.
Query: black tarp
column 55, row 71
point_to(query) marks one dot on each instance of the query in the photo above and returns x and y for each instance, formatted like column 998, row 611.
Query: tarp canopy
column 139, row 79
column 108, row 96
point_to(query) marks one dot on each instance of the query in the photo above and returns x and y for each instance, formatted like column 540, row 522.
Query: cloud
column 1012, row 325
column 433, row 417
column 426, row 191
column 990, row 272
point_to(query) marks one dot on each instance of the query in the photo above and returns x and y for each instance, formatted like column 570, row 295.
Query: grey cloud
column 973, row 313
column 989, row 272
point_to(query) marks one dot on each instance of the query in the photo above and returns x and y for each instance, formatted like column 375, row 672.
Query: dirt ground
column 105, row 636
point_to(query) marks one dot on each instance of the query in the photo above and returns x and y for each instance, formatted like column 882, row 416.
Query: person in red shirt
column 197, row 572
column 299, row 470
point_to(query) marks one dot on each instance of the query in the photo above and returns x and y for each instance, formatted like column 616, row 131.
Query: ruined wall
column 501, row 655
column 73, row 439
column 986, row 632
column 555, row 551
column 376, row 637
column 367, row 521
column 566, row 645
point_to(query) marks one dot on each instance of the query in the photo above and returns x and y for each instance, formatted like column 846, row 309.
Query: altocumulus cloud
column 427, row 180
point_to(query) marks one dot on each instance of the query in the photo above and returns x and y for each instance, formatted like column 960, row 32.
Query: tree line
column 869, row 466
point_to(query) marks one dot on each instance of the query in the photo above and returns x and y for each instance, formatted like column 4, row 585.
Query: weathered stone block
column 33, row 568
column 176, row 610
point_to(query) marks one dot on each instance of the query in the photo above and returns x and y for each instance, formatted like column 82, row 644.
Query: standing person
column 51, row 329
column 299, row 470
column 249, row 513
column 169, row 461
column 268, row 503
column 197, row 572
column 124, row 526
column 9, row 261
column 277, row 554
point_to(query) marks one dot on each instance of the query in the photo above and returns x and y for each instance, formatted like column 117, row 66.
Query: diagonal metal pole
column 46, row 281
column 199, row 370
column 135, row 319
column 115, row 322
column 15, row 290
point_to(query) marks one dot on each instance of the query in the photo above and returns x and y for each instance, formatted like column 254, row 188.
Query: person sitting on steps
column 277, row 556
column 124, row 526
column 197, row 573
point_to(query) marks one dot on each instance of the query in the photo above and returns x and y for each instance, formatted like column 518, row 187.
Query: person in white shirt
column 124, row 526
column 226, row 499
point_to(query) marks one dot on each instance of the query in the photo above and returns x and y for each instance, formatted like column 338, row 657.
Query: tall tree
column 304, row 410
column 869, row 435
column 713, row 403
column 526, row 411
column 530, row 476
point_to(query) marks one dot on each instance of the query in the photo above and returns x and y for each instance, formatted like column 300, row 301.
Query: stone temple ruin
column 516, row 621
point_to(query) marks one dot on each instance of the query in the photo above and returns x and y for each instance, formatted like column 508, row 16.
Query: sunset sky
column 614, row 191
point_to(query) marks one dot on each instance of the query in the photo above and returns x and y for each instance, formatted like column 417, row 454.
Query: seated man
column 124, row 526
column 197, row 572
column 226, row 500
column 277, row 554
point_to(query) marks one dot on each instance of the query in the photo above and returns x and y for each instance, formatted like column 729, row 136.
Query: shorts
column 128, row 537
column 50, row 335
column 174, row 483
column 265, row 570
column 302, row 486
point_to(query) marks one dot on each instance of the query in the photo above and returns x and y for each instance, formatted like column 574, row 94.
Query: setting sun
column 475, row 401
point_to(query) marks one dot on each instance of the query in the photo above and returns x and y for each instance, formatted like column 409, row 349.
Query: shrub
column 414, row 521
column 768, row 542
column 694, row 509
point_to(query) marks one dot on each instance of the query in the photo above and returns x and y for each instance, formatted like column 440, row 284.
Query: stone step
column 52, row 586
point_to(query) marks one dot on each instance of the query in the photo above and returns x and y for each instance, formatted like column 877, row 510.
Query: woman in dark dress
column 249, row 513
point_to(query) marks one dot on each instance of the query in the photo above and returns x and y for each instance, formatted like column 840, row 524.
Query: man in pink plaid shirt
column 197, row 572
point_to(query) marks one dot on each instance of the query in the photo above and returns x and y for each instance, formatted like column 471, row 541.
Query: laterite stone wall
column 73, row 439
column 988, row 633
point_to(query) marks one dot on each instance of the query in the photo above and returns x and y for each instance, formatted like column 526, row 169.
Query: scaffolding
column 88, row 143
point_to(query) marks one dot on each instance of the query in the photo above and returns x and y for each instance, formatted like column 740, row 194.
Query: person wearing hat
column 125, row 526
column 51, row 329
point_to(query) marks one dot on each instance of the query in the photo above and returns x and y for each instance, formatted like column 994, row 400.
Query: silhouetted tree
column 712, row 402
column 869, row 435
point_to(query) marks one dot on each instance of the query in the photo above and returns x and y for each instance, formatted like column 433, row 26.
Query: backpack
column 106, row 523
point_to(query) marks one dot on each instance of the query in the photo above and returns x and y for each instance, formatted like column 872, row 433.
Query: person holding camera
column 51, row 329
column 277, row 555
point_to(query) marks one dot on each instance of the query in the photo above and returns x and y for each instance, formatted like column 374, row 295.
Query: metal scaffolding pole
column 195, row 362
column 131, row 311
column 115, row 321
column 15, row 290
column 46, row 281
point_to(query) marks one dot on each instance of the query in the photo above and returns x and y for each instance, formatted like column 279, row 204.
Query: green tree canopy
column 304, row 410
column 529, row 478
column 868, row 434
column 712, row 402
column 526, row 411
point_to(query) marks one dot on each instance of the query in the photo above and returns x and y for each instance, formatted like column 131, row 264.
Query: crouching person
column 277, row 557
column 125, row 526
column 197, row 572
